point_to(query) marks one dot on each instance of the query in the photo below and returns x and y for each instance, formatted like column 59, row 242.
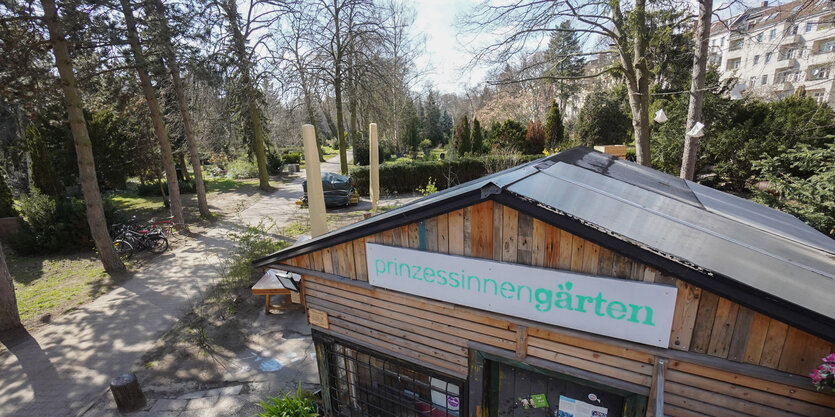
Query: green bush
column 274, row 164
column 300, row 404
column 153, row 190
column 406, row 177
column 53, row 224
column 6, row 202
column 241, row 168
column 292, row 158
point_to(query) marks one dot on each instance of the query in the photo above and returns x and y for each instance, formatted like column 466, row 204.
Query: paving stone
column 169, row 405
column 233, row 390
column 192, row 395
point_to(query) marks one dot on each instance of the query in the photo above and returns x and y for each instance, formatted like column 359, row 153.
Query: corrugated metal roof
column 717, row 234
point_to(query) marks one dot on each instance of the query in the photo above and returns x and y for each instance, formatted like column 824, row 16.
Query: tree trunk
column 697, row 94
column 9, row 316
column 81, row 139
column 183, row 166
column 639, row 98
column 156, row 117
column 174, row 67
column 340, row 123
column 231, row 9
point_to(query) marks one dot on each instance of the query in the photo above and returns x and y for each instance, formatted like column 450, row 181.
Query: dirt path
column 66, row 366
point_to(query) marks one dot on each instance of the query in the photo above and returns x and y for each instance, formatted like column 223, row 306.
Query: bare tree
column 526, row 24
column 81, row 138
column 156, row 116
column 697, row 87
column 171, row 62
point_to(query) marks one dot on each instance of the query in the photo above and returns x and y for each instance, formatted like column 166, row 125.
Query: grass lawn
column 47, row 286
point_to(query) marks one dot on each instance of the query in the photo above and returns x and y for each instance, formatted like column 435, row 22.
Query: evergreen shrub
column 406, row 177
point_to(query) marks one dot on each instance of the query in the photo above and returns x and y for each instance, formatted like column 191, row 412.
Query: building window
column 820, row 73
column 362, row 382
column 772, row 34
column 809, row 26
column 736, row 44
column 734, row 63
column 828, row 46
column 788, row 54
column 818, row 96
column 793, row 30
column 764, row 80
column 760, row 37
column 768, row 57
column 756, row 59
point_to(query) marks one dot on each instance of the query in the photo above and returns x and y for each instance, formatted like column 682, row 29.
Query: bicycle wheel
column 158, row 244
column 123, row 248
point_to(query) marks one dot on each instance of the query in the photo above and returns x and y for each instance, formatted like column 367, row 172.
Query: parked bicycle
column 126, row 240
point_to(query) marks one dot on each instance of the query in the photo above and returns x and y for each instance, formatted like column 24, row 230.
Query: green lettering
column 647, row 317
column 408, row 270
column 616, row 307
column 442, row 275
column 563, row 300
column 470, row 280
column 377, row 266
column 598, row 304
column 428, row 272
column 581, row 301
column 495, row 286
column 543, row 303
column 454, row 280
column 417, row 272
column 506, row 286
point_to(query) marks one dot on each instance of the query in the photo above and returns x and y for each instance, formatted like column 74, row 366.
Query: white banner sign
column 619, row 308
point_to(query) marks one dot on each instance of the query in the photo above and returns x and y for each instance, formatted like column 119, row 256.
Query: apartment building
column 774, row 50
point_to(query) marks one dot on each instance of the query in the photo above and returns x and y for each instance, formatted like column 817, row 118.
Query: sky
column 444, row 56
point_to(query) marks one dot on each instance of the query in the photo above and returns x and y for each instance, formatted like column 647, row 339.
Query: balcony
column 791, row 39
column 787, row 63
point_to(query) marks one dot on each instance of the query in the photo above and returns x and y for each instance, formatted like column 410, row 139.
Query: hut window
column 362, row 382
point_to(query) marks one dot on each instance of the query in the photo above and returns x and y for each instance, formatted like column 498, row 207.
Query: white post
column 315, row 195
column 374, row 158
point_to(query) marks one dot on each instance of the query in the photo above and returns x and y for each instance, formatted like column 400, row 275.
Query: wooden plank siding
column 437, row 333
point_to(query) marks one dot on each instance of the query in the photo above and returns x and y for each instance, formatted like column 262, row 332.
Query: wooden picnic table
column 268, row 286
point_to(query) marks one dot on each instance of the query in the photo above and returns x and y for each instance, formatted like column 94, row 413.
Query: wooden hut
column 576, row 285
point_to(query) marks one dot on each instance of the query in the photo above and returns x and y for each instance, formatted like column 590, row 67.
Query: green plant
column 53, row 224
column 241, row 168
column 274, row 164
column 152, row 189
column 292, row 158
column 407, row 176
column 300, row 404
column 430, row 187
column 6, row 202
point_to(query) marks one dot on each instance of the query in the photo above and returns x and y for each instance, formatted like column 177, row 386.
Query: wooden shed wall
column 437, row 333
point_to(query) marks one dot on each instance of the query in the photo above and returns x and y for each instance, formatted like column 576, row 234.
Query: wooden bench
column 268, row 286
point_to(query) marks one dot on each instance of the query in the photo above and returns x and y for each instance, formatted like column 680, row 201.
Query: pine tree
column 43, row 176
column 564, row 52
column 554, row 130
column 462, row 136
column 477, row 137
column 6, row 202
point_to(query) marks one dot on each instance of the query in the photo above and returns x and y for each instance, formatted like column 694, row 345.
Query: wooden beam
column 521, row 342
column 655, row 406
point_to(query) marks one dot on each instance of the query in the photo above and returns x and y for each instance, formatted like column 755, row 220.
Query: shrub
column 300, row 404
column 534, row 139
column 6, row 202
column 241, row 168
column 53, row 225
column 274, row 164
column 153, row 189
column 292, row 158
column 406, row 177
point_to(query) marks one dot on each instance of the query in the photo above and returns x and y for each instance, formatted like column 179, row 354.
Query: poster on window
column 569, row 407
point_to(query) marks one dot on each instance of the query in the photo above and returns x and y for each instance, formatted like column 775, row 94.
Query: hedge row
column 152, row 189
column 407, row 177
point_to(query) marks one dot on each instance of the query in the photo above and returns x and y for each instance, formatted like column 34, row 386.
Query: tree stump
column 126, row 392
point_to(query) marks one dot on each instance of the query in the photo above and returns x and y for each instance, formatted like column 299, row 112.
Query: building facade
column 774, row 50
column 576, row 285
